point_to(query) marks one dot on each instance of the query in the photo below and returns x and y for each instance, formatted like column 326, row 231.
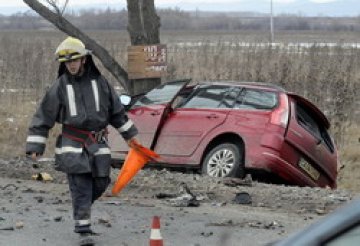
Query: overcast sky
column 20, row 3
column 306, row 7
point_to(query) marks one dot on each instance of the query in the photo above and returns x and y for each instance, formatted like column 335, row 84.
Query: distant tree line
column 176, row 19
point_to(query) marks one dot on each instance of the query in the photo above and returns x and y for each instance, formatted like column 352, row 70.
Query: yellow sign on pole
column 147, row 61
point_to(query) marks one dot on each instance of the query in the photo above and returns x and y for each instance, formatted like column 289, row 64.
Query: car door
column 188, row 124
column 146, row 119
column 307, row 132
column 148, row 112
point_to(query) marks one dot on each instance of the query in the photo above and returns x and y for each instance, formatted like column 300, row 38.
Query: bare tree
column 55, row 5
column 62, row 24
column 143, row 29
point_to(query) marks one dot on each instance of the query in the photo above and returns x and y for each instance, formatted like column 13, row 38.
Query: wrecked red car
column 228, row 129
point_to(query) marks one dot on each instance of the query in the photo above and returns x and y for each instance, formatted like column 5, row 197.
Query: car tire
column 224, row 160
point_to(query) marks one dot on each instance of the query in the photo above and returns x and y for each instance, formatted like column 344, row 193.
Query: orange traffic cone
column 155, row 235
column 135, row 160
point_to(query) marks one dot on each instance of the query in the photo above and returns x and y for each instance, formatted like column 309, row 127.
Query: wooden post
column 143, row 29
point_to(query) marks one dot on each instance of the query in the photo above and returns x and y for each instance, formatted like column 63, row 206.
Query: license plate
column 309, row 169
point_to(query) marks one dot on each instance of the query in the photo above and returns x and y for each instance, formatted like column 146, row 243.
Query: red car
column 228, row 129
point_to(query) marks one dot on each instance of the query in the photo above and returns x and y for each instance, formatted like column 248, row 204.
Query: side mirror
column 125, row 100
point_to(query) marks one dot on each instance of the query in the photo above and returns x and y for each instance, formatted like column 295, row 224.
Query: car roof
column 257, row 85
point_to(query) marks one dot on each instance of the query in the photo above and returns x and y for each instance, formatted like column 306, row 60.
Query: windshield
column 161, row 94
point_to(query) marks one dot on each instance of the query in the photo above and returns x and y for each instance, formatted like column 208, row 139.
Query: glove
column 133, row 143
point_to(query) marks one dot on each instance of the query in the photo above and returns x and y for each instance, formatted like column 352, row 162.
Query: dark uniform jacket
column 89, row 103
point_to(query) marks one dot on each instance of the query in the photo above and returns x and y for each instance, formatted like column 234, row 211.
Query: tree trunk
column 143, row 29
column 62, row 24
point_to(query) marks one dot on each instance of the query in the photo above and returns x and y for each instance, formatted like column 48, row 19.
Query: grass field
column 328, row 76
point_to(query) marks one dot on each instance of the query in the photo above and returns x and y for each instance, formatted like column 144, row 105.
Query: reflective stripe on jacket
column 88, row 103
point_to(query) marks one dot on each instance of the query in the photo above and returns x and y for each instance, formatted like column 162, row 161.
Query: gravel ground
column 193, row 209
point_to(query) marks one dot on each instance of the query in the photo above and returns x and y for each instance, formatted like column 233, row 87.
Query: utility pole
column 271, row 22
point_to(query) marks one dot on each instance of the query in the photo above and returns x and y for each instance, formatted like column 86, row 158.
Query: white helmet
column 71, row 49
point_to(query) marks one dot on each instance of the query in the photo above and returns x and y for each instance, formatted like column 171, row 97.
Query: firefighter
column 83, row 101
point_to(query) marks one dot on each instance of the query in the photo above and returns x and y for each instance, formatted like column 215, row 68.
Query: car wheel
column 224, row 160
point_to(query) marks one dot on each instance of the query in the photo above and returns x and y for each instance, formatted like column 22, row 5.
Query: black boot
column 83, row 229
column 86, row 239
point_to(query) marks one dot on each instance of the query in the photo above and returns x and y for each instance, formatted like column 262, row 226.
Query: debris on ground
column 242, row 198
column 19, row 225
column 42, row 177
column 185, row 198
column 104, row 222
column 247, row 181
column 272, row 209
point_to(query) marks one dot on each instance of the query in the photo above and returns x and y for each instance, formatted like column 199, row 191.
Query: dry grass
column 349, row 174
column 327, row 76
column 14, row 121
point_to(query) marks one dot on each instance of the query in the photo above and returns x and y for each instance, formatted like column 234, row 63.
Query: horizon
column 332, row 8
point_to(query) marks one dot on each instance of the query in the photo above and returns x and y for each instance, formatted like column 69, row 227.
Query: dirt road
column 38, row 213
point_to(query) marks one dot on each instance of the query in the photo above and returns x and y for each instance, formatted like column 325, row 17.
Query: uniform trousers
column 85, row 189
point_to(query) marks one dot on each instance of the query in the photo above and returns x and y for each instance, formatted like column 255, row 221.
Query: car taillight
column 280, row 116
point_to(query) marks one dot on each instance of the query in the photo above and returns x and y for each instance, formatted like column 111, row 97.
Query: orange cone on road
column 135, row 160
column 155, row 235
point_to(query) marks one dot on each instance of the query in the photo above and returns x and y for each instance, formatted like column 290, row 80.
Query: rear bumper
column 278, row 157
column 273, row 163
column 287, row 171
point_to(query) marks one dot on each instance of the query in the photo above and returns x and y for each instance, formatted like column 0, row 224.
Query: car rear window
column 257, row 99
column 305, row 118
